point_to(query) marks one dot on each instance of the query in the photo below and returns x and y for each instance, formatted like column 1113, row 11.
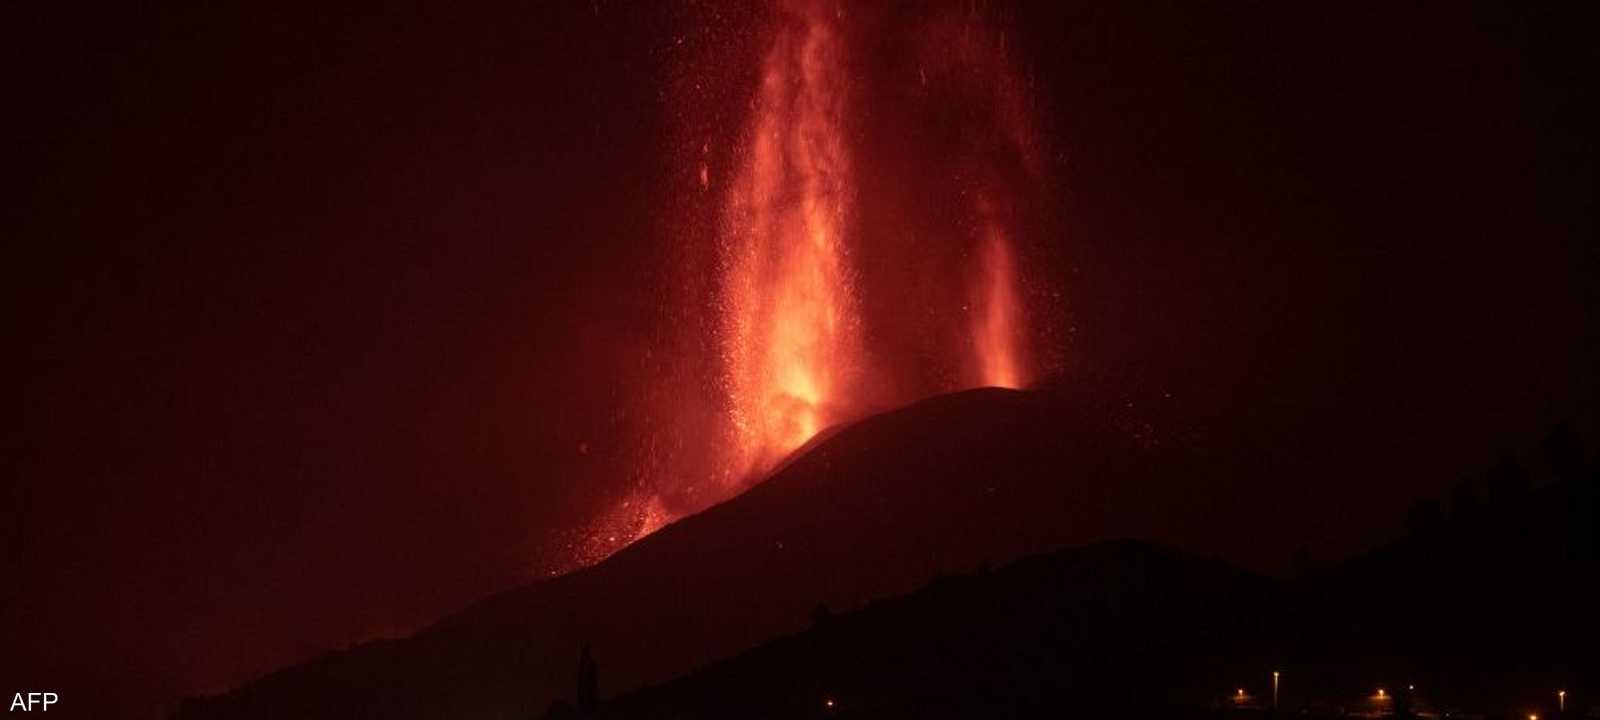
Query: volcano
column 914, row 507
column 872, row 510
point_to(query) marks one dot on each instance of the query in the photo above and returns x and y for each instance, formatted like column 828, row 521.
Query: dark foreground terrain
column 875, row 510
column 1487, row 604
column 1117, row 624
column 1486, row 613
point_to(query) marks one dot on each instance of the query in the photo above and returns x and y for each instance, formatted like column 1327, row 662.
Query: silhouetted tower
column 588, row 685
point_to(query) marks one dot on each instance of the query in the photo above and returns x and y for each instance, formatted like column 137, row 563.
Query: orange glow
column 637, row 515
column 966, row 55
column 996, row 322
column 780, row 314
column 651, row 518
column 790, row 330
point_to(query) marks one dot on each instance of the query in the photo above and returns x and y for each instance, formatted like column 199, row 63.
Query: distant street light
column 1561, row 698
column 1274, row 689
column 1382, row 694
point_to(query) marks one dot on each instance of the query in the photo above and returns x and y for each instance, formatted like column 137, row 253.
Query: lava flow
column 790, row 329
column 997, row 322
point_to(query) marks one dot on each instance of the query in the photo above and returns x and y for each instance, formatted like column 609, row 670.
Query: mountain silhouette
column 874, row 510
column 1485, row 613
column 1116, row 625
column 948, row 487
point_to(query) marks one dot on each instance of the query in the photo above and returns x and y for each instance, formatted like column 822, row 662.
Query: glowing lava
column 790, row 330
column 918, row 256
column 637, row 515
column 997, row 329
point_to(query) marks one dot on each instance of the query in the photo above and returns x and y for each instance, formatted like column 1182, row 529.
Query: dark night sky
column 312, row 308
